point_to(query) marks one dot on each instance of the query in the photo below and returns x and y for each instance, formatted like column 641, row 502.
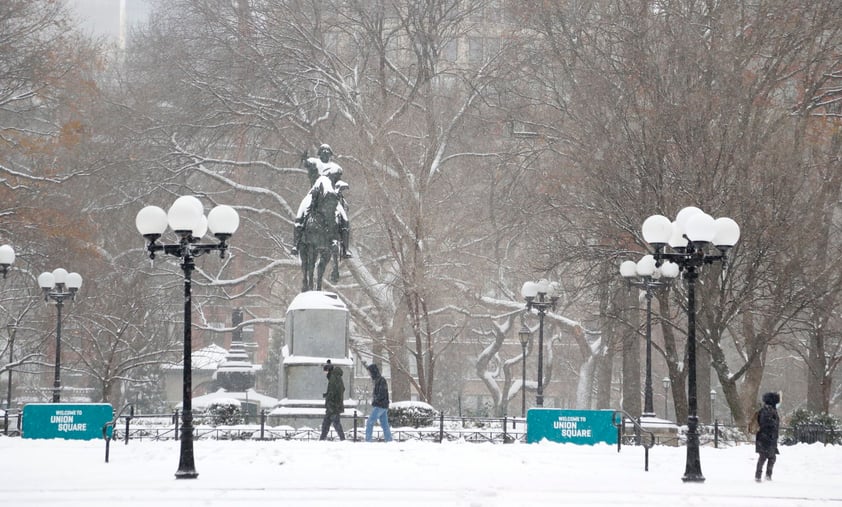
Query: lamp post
column 713, row 406
column 187, row 219
column 58, row 286
column 688, row 239
column 541, row 296
column 11, row 328
column 645, row 275
column 523, row 335
column 7, row 258
column 666, row 381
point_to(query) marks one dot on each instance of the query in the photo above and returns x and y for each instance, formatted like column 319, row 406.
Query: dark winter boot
column 296, row 239
column 326, row 428
column 344, row 239
column 769, row 466
column 758, row 473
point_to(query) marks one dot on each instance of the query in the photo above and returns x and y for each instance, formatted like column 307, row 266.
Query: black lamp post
column 58, row 286
column 713, row 406
column 7, row 258
column 666, row 382
column 645, row 275
column 688, row 238
column 11, row 328
column 186, row 218
column 523, row 335
column 541, row 296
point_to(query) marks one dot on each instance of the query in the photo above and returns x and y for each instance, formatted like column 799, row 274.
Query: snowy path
column 69, row 473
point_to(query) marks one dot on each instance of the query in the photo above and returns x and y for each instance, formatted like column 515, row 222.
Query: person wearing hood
column 766, row 441
column 334, row 401
column 379, row 405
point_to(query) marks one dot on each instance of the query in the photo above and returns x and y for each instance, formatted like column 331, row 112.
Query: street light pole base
column 693, row 477
column 693, row 466
column 186, row 474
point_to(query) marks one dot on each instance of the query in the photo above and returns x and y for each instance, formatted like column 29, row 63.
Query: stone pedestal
column 316, row 330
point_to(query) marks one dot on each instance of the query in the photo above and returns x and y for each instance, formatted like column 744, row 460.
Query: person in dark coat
column 766, row 441
column 334, row 401
column 379, row 405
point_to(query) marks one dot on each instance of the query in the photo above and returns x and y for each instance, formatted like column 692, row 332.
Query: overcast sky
column 102, row 17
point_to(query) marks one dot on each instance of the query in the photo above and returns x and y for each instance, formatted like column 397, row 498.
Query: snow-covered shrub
column 224, row 413
column 810, row 427
column 728, row 436
column 415, row 414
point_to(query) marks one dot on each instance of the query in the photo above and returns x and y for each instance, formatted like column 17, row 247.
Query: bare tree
column 679, row 104
column 121, row 337
column 260, row 82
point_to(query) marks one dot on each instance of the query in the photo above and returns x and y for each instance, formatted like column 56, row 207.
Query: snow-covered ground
column 292, row 473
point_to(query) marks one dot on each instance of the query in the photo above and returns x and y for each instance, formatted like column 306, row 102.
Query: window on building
column 451, row 51
column 481, row 49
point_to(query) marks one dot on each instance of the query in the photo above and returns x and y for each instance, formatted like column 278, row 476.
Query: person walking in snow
column 766, row 441
column 379, row 405
column 334, row 401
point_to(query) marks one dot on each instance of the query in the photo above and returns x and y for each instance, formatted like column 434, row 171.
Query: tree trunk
column 396, row 343
column 631, row 354
column 604, row 377
column 703, row 387
column 816, row 380
column 674, row 362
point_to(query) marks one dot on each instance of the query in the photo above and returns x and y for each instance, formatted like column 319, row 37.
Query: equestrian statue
column 321, row 231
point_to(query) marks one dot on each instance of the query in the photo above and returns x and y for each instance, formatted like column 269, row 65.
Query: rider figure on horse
column 320, row 164
column 324, row 177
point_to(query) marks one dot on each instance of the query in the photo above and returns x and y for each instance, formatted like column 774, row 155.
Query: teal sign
column 584, row 427
column 66, row 420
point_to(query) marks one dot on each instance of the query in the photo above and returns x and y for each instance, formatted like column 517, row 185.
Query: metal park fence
column 10, row 422
column 469, row 429
column 446, row 428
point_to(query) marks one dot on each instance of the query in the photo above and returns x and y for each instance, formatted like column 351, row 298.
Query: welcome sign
column 584, row 427
column 66, row 420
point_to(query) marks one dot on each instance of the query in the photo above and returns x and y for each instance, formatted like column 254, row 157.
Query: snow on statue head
column 325, row 151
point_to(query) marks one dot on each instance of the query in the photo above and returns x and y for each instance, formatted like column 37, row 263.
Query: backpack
column 754, row 423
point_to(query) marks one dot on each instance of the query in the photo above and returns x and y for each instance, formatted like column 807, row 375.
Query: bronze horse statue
column 320, row 236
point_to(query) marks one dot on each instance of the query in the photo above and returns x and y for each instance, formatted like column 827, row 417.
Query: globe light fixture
column 7, row 258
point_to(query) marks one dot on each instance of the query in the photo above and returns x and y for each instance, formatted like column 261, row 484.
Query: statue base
column 316, row 331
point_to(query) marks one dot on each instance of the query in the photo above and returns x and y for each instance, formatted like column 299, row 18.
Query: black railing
column 640, row 435
column 469, row 429
column 111, row 424
column 445, row 429
column 811, row 433
column 11, row 422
